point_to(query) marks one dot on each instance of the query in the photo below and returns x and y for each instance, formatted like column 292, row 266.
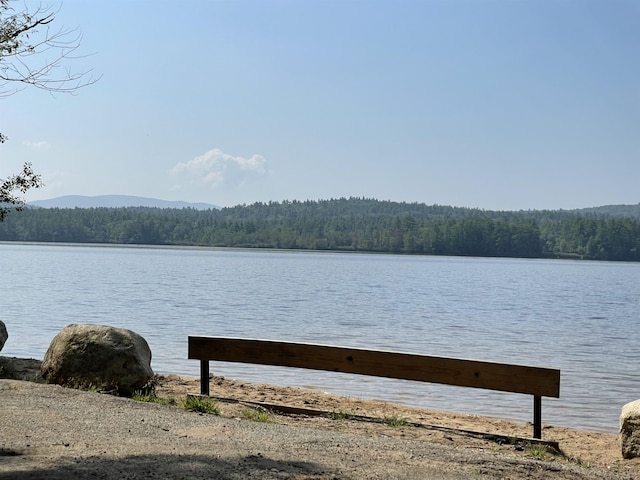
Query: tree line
column 345, row 224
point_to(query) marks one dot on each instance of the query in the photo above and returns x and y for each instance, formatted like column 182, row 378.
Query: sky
column 498, row 105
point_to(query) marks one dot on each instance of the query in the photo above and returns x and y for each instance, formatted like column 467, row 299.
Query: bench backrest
column 450, row 371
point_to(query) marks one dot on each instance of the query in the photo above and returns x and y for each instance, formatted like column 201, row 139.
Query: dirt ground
column 595, row 454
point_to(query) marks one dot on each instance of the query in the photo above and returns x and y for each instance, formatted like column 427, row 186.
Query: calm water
column 580, row 317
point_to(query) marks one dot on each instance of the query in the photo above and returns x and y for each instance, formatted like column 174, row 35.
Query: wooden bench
column 504, row 377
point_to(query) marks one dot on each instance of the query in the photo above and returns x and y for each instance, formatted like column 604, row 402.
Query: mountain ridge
column 116, row 201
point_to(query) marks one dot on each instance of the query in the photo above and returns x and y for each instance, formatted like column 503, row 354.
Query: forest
column 347, row 224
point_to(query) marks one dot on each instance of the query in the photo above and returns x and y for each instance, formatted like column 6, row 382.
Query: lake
column 580, row 317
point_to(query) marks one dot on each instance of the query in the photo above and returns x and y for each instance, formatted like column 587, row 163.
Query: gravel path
column 53, row 432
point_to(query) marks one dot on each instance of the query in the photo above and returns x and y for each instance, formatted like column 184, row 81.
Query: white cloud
column 38, row 145
column 217, row 168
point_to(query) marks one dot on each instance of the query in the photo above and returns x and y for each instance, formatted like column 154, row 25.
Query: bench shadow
column 171, row 467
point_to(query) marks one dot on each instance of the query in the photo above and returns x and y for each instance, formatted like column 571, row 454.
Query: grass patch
column 579, row 462
column 256, row 415
column 151, row 397
column 514, row 440
column 341, row 415
column 200, row 405
column 395, row 420
column 147, row 394
column 538, row 451
column 84, row 385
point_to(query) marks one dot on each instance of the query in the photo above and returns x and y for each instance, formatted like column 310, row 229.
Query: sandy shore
column 53, row 432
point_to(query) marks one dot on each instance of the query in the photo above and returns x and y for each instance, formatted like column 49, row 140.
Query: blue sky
column 501, row 105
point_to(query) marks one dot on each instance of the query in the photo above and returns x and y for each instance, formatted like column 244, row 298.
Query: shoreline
column 486, row 408
column 30, row 367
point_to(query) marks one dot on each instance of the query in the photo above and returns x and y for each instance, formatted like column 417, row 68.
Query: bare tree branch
column 33, row 54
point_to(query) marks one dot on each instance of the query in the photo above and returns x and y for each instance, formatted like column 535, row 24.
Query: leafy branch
column 21, row 182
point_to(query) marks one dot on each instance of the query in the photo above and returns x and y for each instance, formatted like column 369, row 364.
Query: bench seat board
column 450, row 371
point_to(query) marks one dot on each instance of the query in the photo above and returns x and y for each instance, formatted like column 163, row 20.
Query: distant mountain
column 115, row 201
column 630, row 211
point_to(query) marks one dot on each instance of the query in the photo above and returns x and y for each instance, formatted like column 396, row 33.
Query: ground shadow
column 172, row 467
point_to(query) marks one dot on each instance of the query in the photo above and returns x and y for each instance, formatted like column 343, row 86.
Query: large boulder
column 100, row 357
column 630, row 430
column 3, row 334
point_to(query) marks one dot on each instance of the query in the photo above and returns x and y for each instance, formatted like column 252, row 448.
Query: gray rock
column 98, row 356
column 630, row 430
column 3, row 334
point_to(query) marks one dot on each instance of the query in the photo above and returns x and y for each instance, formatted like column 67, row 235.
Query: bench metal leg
column 537, row 417
column 204, row 377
